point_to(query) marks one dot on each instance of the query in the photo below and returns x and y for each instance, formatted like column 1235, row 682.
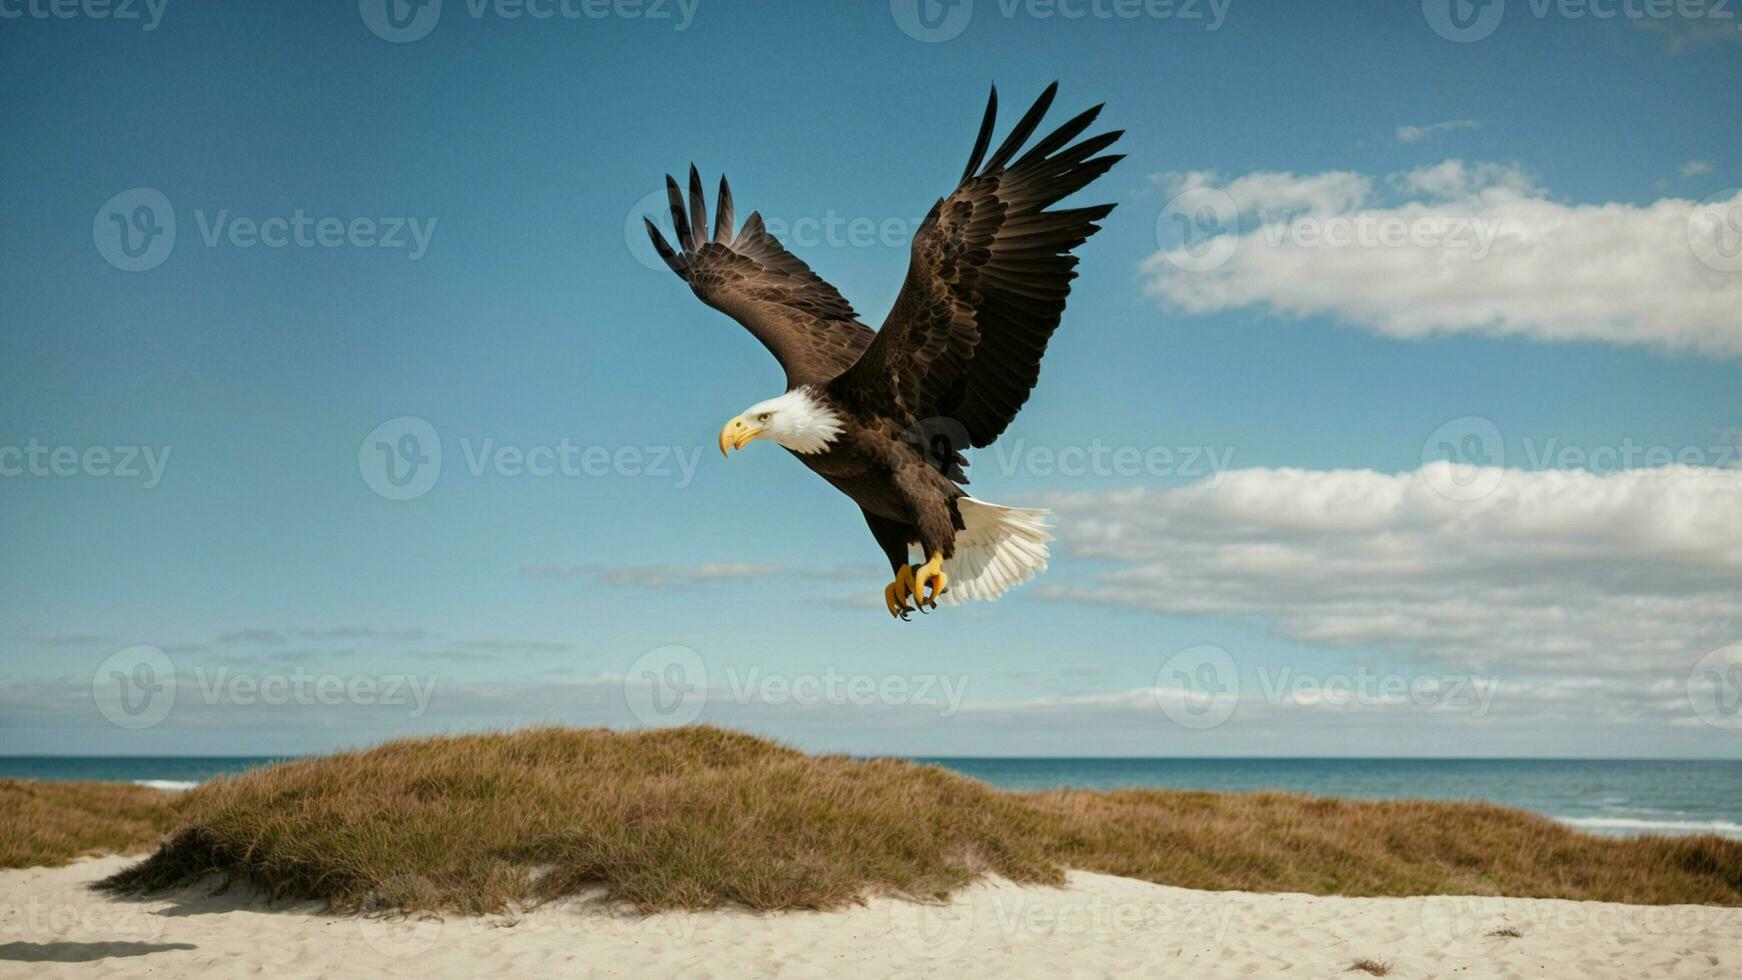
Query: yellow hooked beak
column 736, row 433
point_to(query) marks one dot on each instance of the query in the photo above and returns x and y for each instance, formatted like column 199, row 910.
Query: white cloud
column 1554, row 571
column 1695, row 168
column 1415, row 134
column 1268, row 190
column 1457, row 248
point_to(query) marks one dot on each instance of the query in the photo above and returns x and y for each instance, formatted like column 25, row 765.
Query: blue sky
column 1592, row 595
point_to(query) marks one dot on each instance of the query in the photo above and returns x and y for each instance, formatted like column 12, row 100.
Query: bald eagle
column 885, row 416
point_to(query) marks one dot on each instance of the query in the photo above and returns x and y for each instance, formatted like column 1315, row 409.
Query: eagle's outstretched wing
column 986, row 283
column 748, row 276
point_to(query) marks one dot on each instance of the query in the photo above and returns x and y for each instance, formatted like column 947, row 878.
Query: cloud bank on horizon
column 1548, row 571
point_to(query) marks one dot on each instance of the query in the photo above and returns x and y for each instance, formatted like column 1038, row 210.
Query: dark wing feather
column 986, row 285
column 748, row 276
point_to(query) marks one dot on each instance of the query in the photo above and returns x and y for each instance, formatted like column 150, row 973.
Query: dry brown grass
column 690, row 818
column 50, row 824
column 699, row 817
column 1372, row 967
column 1327, row 846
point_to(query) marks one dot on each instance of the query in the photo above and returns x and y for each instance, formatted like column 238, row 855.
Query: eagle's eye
column 764, row 417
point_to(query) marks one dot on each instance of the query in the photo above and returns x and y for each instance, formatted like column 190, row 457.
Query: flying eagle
column 884, row 416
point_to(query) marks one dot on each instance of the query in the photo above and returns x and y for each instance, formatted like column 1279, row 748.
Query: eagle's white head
column 798, row 420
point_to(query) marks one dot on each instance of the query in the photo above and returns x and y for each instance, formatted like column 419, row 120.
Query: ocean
column 1601, row 796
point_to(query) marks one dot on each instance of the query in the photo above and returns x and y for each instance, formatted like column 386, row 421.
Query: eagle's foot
column 930, row 579
column 896, row 593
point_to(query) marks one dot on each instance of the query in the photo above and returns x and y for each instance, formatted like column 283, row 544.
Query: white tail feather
column 998, row 549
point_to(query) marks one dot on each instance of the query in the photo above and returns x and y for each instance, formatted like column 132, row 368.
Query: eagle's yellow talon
column 897, row 592
column 893, row 601
column 930, row 581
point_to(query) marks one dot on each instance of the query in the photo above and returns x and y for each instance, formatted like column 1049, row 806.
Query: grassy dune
column 699, row 817
column 50, row 824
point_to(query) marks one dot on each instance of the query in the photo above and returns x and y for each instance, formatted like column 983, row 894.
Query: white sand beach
column 52, row 925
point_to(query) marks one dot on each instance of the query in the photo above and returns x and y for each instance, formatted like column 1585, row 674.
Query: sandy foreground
column 51, row 925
